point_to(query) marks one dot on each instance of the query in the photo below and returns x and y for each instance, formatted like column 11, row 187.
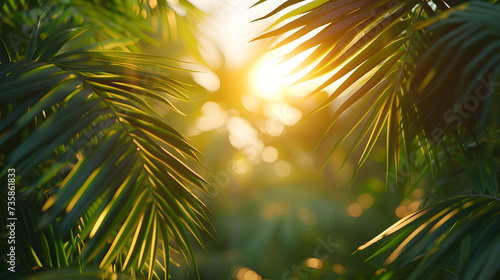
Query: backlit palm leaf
column 379, row 46
column 414, row 64
column 115, row 19
column 368, row 40
column 82, row 131
column 459, row 235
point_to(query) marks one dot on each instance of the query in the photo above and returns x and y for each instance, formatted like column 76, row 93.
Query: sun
column 271, row 77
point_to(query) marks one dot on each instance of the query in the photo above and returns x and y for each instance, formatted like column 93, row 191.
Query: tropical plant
column 103, row 184
column 426, row 72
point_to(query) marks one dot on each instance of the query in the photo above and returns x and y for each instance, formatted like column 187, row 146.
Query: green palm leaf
column 458, row 70
column 412, row 64
column 176, row 22
column 368, row 38
column 460, row 234
column 90, row 109
column 385, row 49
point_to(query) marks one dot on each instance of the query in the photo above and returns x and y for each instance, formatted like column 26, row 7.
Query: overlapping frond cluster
column 429, row 74
column 424, row 244
column 175, row 21
column 403, row 60
column 368, row 41
column 457, row 80
column 104, row 178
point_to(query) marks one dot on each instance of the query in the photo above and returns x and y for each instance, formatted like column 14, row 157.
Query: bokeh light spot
column 244, row 137
column 283, row 112
column 417, row 193
column 406, row 202
column 401, row 211
column 213, row 117
column 414, row 206
column 207, row 79
column 239, row 166
column 365, row 200
column 306, row 216
column 282, row 168
column 269, row 154
column 251, row 275
column 153, row 3
column 274, row 127
column 251, row 102
column 245, row 273
column 339, row 269
column 354, row 210
column 136, row 9
column 314, row 263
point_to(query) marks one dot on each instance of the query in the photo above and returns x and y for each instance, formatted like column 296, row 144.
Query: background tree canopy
column 103, row 104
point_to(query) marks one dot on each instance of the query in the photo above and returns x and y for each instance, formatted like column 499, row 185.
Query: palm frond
column 455, row 83
column 384, row 51
column 90, row 109
column 460, row 235
column 176, row 22
column 367, row 41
